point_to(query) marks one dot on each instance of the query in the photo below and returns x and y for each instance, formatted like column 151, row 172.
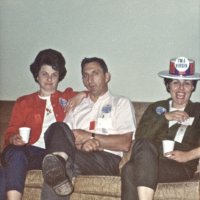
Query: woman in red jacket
column 37, row 111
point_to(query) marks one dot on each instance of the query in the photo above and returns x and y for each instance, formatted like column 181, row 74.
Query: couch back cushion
column 5, row 112
column 140, row 107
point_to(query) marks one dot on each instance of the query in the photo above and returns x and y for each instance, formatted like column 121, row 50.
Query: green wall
column 137, row 38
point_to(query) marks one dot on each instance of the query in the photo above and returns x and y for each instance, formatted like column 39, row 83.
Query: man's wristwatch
column 92, row 136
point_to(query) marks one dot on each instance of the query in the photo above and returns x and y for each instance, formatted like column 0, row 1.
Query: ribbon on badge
column 180, row 133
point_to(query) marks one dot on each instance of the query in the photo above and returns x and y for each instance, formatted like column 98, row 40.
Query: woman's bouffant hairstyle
column 49, row 57
column 167, row 81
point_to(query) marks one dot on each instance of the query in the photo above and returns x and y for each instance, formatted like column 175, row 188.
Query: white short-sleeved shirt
column 108, row 115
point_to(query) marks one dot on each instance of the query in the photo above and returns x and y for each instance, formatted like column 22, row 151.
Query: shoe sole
column 54, row 174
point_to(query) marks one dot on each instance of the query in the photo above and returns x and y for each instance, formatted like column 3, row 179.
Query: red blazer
column 29, row 111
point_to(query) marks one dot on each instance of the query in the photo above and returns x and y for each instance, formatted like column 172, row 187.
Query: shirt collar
column 172, row 108
column 104, row 96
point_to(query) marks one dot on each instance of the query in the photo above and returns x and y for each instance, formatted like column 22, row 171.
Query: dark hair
column 167, row 81
column 100, row 61
column 49, row 57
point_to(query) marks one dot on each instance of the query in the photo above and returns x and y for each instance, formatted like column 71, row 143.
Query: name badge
column 104, row 123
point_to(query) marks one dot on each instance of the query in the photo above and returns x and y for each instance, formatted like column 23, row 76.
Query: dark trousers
column 59, row 138
column 2, row 184
column 17, row 160
column 146, row 168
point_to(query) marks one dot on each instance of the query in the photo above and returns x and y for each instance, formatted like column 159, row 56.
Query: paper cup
column 168, row 145
column 25, row 133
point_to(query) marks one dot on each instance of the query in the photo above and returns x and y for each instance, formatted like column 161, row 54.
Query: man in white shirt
column 93, row 137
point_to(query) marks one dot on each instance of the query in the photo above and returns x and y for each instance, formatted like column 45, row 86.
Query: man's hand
column 16, row 140
column 74, row 101
column 81, row 136
column 91, row 145
column 177, row 115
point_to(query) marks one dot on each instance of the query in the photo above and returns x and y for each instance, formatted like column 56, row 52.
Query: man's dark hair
column 49, row 57
column 100, row 61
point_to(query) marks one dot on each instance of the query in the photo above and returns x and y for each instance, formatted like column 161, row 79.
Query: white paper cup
column 168, row 145
column 25, row 133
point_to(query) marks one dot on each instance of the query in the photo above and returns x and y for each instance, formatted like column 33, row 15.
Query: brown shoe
column 54, row 173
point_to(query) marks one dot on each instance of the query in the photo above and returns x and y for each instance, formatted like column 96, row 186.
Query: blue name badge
column 63, row 102
column 160, row 110
column 107, row 109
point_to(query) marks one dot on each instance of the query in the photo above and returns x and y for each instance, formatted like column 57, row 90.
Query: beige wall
column 136, row 38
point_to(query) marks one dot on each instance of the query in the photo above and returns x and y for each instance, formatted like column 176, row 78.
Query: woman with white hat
column 176, row 119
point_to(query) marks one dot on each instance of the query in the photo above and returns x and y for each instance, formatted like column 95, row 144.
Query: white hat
column 181, row 68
